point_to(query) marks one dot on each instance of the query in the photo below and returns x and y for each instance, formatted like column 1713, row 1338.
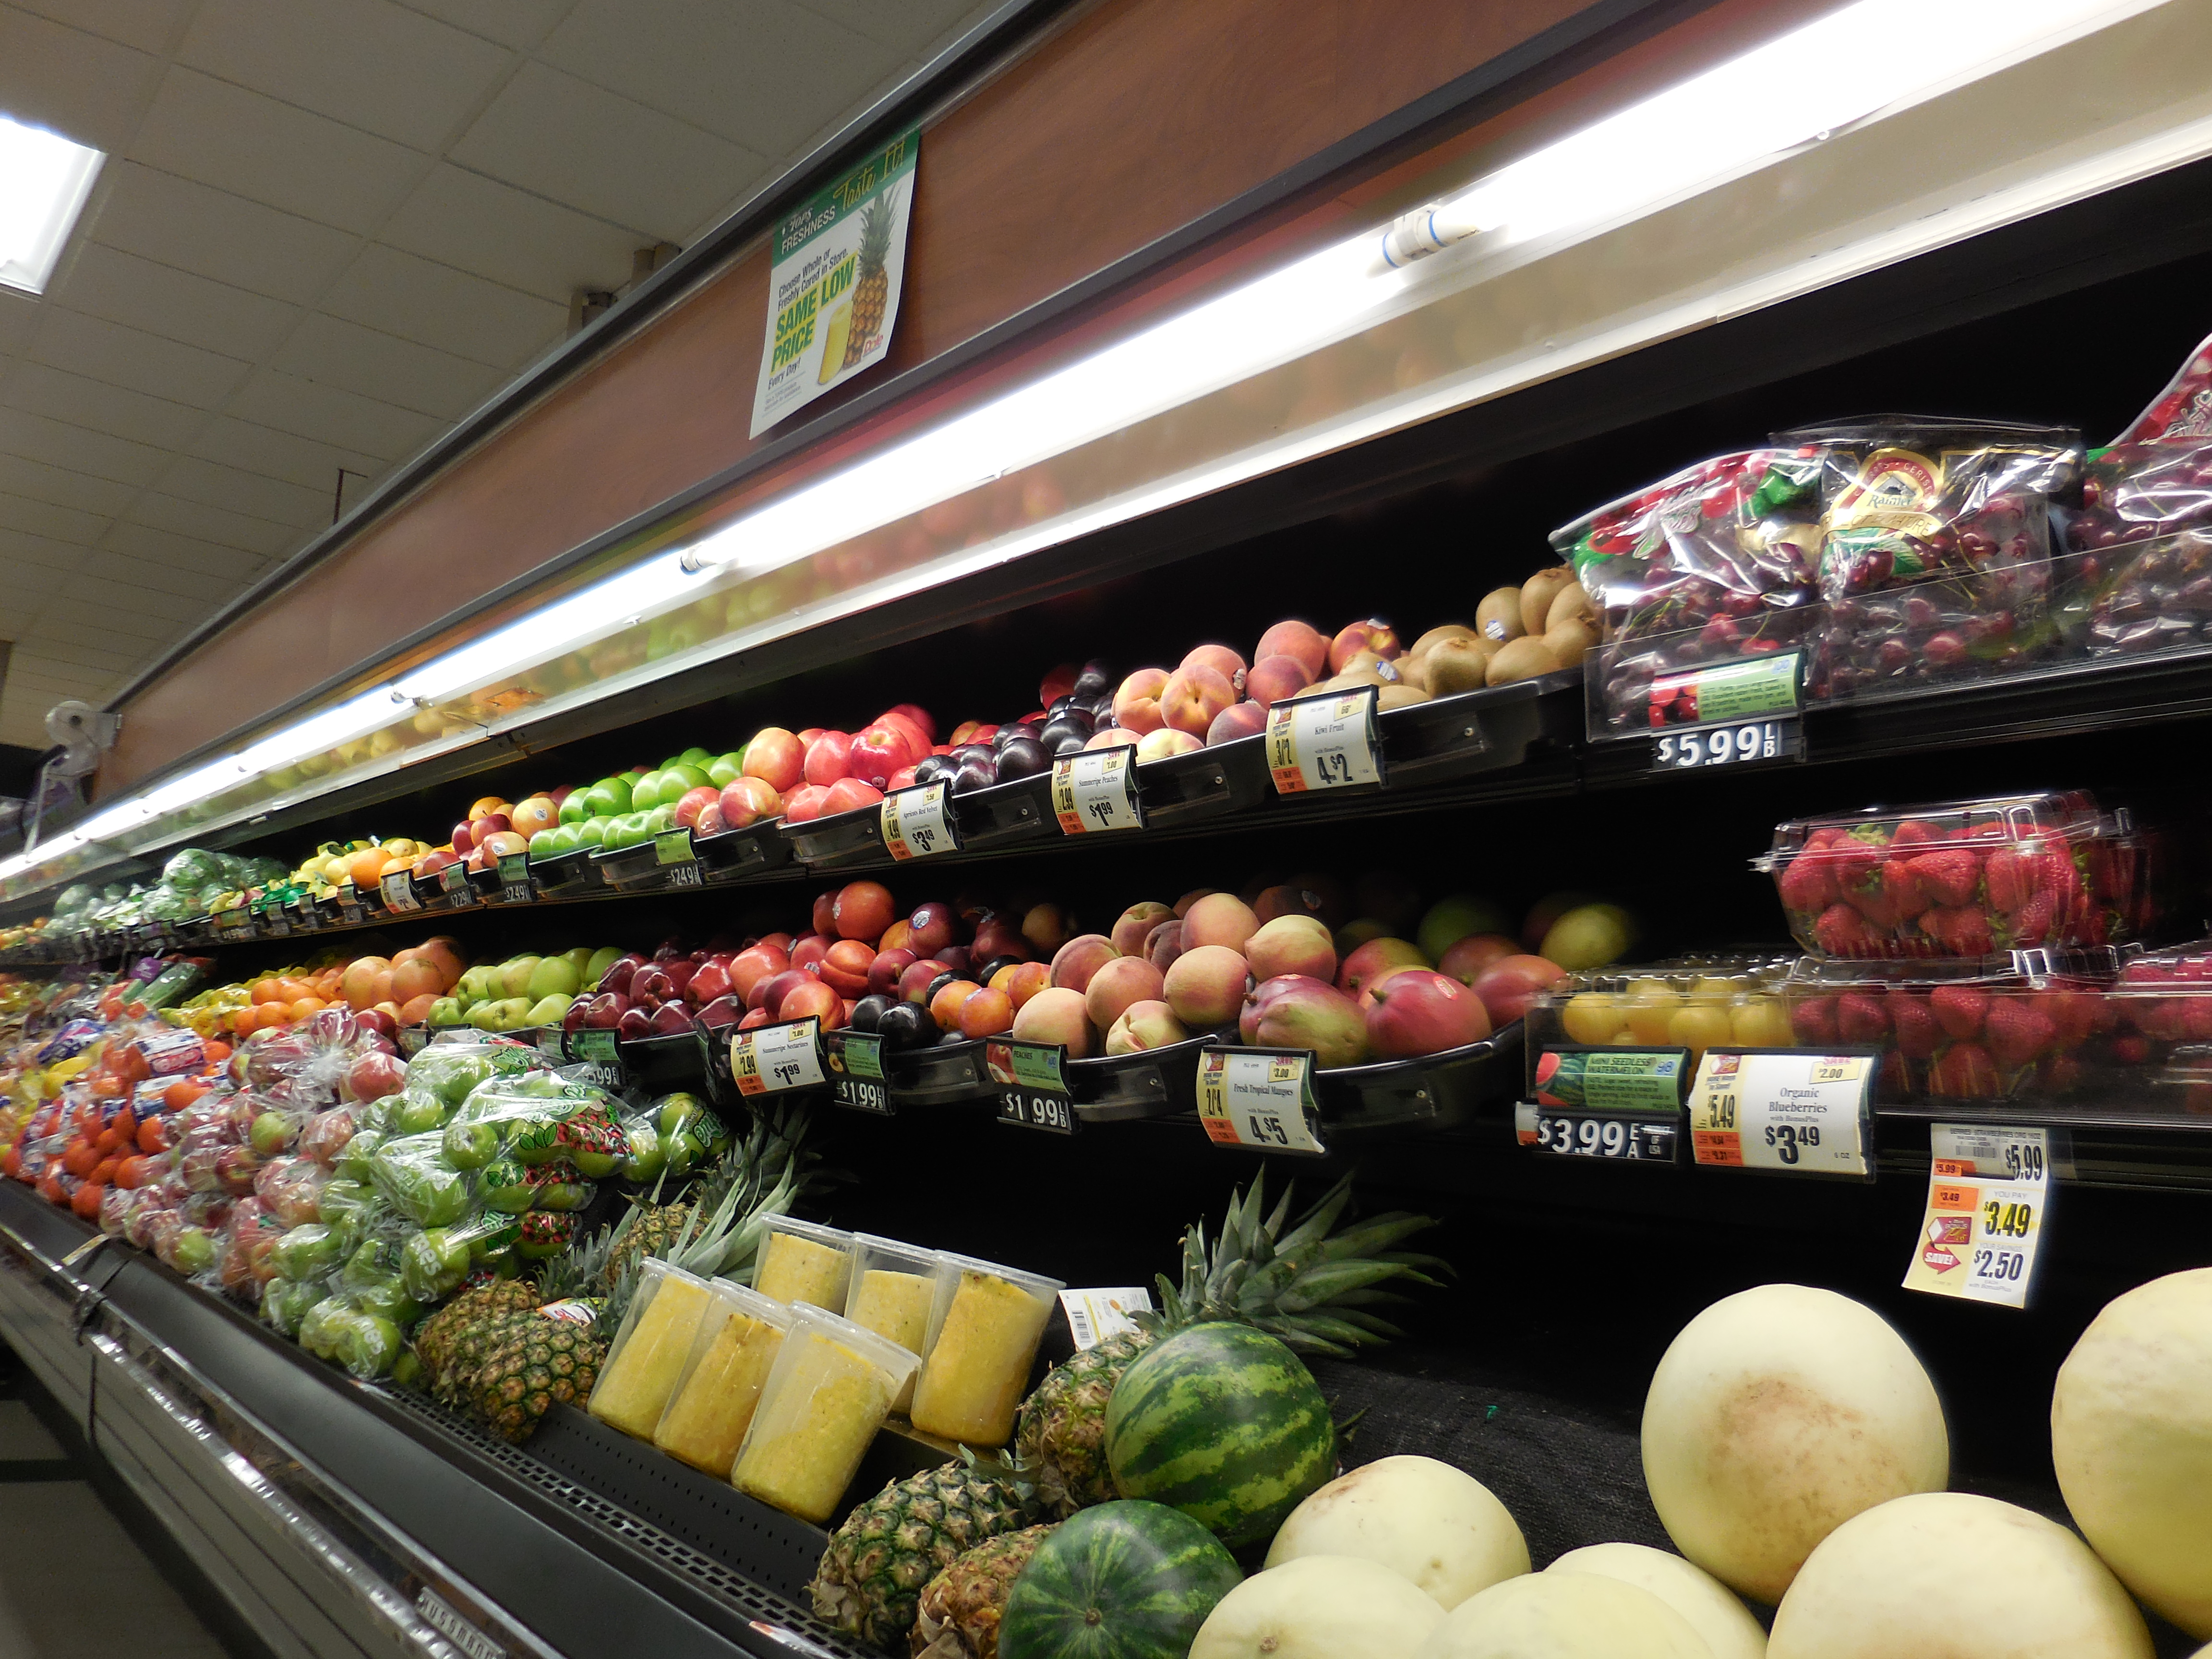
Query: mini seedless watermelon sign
column 834, row 290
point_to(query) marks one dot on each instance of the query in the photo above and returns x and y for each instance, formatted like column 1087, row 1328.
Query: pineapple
column 435, row 1339
column 1307, row 1286
column 961, row 1608
column 871, row 295
column 533, row 1362
column 873, row 1574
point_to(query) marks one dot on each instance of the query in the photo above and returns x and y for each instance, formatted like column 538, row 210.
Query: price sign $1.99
column 769, row 1059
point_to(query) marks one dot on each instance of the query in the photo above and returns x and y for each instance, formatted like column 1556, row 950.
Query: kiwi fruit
column 1572, row 602
column 1383, row 668
column 1497, row 618
column 1436, row 636
column 1459, row 665
column 1413, row 671
column 1538, row 593
column 1570, row 640
column 1520, row 660
column 1398, row 696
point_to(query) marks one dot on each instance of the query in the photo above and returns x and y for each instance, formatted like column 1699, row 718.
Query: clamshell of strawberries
column 1964, row 878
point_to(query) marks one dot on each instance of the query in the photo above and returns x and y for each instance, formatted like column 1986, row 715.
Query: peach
column 1218, row 919
column 1135, row 925
column 775, row 756
column 1418, row 1011
column 862, row 910
column 1116, row 985
column 1273, row 678
column 1182, row 905
column 987, row 1013
column 1113, row 737
column 1372, row 635
column 1291, row 944
column 1167, row 743
column 1144, row 1025
column 845, row 966
column 1194, row 695
column 1242, row 720
column 1137, row 703
column 1075, row 962
column 1220, row 658
column 1021, row 981
column 812, row 998
column 1206, row 986
column 1047, row 928
column 1300, row 641
column 1466, row 959
column 1375, row 958
column 1055, row 1014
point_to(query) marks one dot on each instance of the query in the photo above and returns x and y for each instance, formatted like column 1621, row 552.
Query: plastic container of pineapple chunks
column 985, row 1323
column 650, row 1348
column 804, row 1262
column 738, row 1337
column 894, row 1288
column 828, row 1393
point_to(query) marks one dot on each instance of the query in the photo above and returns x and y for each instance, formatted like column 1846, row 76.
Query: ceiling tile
column 905, row 26
column 211, row 233
column 477, row 224
column 510, row 22
column 337, row 353
column 438, row 306
column 234, row 565
column 235, row 489
column 131, row 357
column 81, row 86
column 19, row 313
column 367, row 62
column 274, row 454
column 90, row 658
column 211, row 524
column 156, row 576
column 93, row 404
column 128, row 599
column 604, row 153
column 45, row 519
column 760, row 73
column 102, row 497
column 40, row 550
column 268, row 152
column 36, row 438
column 149, row 25
column 79, row 621
column 333, row 414
column 175, row 304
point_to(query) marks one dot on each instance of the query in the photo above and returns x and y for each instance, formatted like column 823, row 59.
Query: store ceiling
column 326, row 231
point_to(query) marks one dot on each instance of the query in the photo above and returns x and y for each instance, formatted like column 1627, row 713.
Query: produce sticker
column 833, row 289
column 1988, row 1195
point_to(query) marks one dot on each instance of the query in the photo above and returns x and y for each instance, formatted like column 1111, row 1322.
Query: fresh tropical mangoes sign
column 834, row 285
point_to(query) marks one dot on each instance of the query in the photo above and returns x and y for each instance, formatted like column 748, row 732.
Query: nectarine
column 1299, row 640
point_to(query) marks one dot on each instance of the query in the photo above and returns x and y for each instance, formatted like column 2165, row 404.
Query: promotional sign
column 1032, row 1084
column 1989, row 1193
column 771, row 1058
column 834, row 289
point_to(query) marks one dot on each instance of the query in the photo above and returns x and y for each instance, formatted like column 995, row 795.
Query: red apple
column 712, row 981
column 680, row 975
column 606, row 1011
column 1510, row 984
column 652, row 987
column 722, row 1011
column 752, row 965
column 774, row 755
column 771, row 992
column 902, row 779
column 694, row 802
column 711, row 821
column 670, row 1018
column 826, row 760
column 747, row 799
column 461, row 838
column 1422, row 1011
column 851, row 794
column 922, row 717
column 375, row 1075
column 807, row 734
column 877, row 752
column 635, row 1023
column 617, row 978
column 804, row 804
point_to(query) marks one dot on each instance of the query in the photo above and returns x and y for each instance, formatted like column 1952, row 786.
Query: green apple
column 678, row 1111
column 513, row 976
column 446, row 1011
column 192, row 1250
column 694, row 755
column 513, row 1013
column 542, row 845
column 645, row 792
column 553, row 976
column 561, row 838
column 602, row 959
column 592, row 832
column 548, row 1010
column 661, row 819
column 676, row 779
column 417, row 1114
column 723, row 770
column 575, row 808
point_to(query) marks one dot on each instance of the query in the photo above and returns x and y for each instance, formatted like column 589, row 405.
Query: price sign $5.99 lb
column 769, row 1059
column 1988, row 1197
column 1259, row 1097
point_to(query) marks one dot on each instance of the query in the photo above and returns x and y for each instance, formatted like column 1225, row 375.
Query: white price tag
column 1096, row 790
column 1784, row 1110
column 769, row 1059
column 1989, row 1193
column 399, row 892
column 1095, row 1315
column 917, row 823
column 1729, row 745
column 1259, row 1097
column 1327, row 742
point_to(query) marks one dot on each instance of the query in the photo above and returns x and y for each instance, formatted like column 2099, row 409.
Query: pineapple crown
column 1307, row 1283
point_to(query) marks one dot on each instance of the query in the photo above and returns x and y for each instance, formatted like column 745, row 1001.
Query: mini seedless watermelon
column 1119, row 1581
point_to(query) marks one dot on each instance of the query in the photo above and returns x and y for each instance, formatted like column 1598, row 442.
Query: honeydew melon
column 1709, row 1607
column 1319, row 1606
column 1434, row 1525
column 1563, row 1615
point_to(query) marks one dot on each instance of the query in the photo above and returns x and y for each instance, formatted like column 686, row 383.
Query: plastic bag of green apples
column 673, row 1136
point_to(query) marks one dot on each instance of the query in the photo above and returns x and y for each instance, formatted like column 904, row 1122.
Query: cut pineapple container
column 894, row 1288
column 650, row 1348
column 804, row 1262
column 828, row 1393
column 985, row 1324
column 711, row 1406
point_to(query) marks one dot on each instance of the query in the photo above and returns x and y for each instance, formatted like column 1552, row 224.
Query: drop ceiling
column 326, row 231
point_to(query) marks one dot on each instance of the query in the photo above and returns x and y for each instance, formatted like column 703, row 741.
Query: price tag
column 413, row 1039
column 769, row 1059
column 1795, row 1110
column 1727, row 693
column 1259, row 1097
column 1729, row 745
column 1647, row 1080
column 350, row 905
column 1988, row 1197
column 917, row 823
column 1095, row 1315
column 671, row 851
column 453, row 882
column 1327, row 742
column 1096, row 790
column 399, row 889
column 551, row 1045
column 235, row 922
column 273, row 925
column 306, row 916
column 1630, row 1137
column 515, row 886
column 1032, row 1085
column 856, row 1072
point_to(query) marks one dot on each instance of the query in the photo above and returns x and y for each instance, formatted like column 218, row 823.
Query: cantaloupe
column 2131, row 1435
column 1709, row 1607
column 1319, row 1607
column 1436, row 1526
column 1774, row 1416
column 1563, row 1615
column 1948, row 1572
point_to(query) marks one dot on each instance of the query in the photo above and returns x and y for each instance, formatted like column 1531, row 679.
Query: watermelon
column 1223, row 1423
column 1119, row 1581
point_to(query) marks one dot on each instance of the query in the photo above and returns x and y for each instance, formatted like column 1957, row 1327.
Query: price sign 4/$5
column 1259, row 1097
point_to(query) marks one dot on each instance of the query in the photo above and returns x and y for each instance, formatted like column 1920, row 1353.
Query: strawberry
column 1860, row 1017
column 1879, row 908
column 1907, row 897
column 2019, row 1031
column 1841, row 932
column 1917, row 1034
column 1950, row 877
column 1814, row 1021
column 2007, row 881
column 1808, row 885
column 2033, row 923
column 1964, row 1072
column 1958, row 1009
column 1826, row 836
column 1896, row 1082
column 1916, row 832
column 1856, row 865
column 2196, row 1017
column 2131, row 1050
column 2057, row 1074
column 2163, row 1019
column 1960, row 932
column 2075, row 1014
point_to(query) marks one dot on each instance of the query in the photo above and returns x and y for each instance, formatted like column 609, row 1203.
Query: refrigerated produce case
column 340, row 1514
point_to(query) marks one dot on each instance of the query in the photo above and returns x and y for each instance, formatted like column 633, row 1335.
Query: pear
column 512, row 977
column 552, row 976
column 548, row 1010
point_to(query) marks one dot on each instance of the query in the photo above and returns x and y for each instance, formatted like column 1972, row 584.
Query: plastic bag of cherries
column 1937, row 549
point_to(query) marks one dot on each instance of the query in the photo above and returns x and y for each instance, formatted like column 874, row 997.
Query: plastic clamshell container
column 1724, row 999
column 1017, row 810
column 842, row 841
column 1152, row 1083
column 984, row 1328
column 1473, row 732
column 565, row 875
column 829, row 1391
column 1960, row 879
column 804, row 1262
column 734, row 854
column 1222, row 777
column 651, row 1349
column 712, row 1403
column 894, row 1289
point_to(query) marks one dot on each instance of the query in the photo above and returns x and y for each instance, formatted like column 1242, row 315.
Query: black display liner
column 1005, row 812
column 1227, row 777
column 637, row 869
column 665, row 1061
column 937, row 1075
column 567, row 875
column 1121, row 1088
column 490, row 890
column 712, row 1043
column 843, row 840
column 736, row 853
column 1472, row 731
column 430, row 891
column 1458, row 1088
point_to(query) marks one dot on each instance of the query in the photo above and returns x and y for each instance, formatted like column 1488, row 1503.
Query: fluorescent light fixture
column 351, row 719
column 44, row 181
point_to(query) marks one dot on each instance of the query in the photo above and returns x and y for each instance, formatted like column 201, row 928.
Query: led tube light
column 44, row 181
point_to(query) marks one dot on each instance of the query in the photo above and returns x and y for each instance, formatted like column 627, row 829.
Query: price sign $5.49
column 769, row 1059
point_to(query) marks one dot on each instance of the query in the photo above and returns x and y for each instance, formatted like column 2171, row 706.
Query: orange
column 306, row 1006
column 265, row 990
column 367, row 866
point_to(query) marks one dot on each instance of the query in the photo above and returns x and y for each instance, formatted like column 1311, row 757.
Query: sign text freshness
column 810, row 291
